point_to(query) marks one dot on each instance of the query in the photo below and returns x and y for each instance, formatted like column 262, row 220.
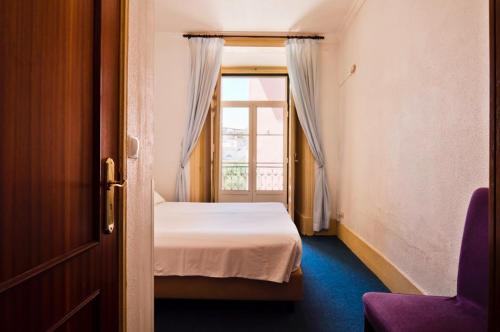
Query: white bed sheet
column 246, row 240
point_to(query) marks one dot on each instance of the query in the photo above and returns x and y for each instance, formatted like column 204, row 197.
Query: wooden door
column 59, row 120
column 304, row 182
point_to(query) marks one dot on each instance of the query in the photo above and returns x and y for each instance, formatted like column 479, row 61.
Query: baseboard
column 387, row 272
column 305, row 225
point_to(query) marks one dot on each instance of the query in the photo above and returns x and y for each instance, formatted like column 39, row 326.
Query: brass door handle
column 117, row 184
column 111, row 184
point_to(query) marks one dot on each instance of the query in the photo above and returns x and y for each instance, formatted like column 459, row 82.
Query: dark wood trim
column 75, row 310
column 494, row 220
column 256, row 74
column 242, row 289
column 109, row 138
column 97, row 86
column 122, row 231
column 45, row 266
column 222, row 35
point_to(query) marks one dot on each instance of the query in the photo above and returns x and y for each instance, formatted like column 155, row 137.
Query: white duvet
column 246, row 240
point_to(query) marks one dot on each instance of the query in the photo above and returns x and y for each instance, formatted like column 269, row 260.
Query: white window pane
column 235, row 88
column 235, row 120
column 235, row 148
column 269, row 149
column 269, row 170
column 257, row 88
column 270, row 121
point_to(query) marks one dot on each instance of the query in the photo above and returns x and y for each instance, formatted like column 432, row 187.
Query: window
column 235, row 148
column 253, row 138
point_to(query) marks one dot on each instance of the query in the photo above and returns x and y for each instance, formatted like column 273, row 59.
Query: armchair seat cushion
column 419, row 313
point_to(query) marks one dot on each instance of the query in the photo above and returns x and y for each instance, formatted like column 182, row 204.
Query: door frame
column 494, row 197
column 122, row 156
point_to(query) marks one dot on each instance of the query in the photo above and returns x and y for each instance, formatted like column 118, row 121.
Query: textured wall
column 412, row 130
column 139, row 171
column 171, row 83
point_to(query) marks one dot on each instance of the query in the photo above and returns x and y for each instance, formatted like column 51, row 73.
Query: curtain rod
column 189, row 35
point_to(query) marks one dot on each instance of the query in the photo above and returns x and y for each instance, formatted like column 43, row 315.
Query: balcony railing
column 235, row 176
column 269, row 176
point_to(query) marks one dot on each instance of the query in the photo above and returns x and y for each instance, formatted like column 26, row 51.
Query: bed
column 230, row 251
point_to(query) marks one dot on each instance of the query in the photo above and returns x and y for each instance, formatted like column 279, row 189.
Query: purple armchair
column 467, row 311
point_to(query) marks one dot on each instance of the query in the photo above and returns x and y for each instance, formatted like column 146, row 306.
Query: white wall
column 412, row 130
column 234, row 56
column 171, row 81
column 171, row 84
column 139, row 251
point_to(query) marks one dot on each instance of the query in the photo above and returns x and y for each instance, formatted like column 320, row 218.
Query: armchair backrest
column 472, row 281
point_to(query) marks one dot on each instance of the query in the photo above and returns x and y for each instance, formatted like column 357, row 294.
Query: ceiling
column 313, row 16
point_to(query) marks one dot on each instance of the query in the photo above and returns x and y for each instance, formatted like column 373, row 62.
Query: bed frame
column 206, row 288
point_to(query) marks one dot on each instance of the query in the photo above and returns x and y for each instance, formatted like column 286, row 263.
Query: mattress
column 246, row 240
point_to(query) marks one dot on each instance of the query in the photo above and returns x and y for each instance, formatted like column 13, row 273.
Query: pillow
column 158, row 198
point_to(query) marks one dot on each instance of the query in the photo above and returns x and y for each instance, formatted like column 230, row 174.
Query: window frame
column 252, row 194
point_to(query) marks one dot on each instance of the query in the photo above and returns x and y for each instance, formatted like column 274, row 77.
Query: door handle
column 117, row 184
column 111, row 184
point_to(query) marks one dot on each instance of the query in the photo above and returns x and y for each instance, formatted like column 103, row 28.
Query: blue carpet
column 334, row 281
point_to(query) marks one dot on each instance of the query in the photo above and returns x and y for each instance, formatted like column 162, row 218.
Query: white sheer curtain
column 302, row 62
column 206, row 58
